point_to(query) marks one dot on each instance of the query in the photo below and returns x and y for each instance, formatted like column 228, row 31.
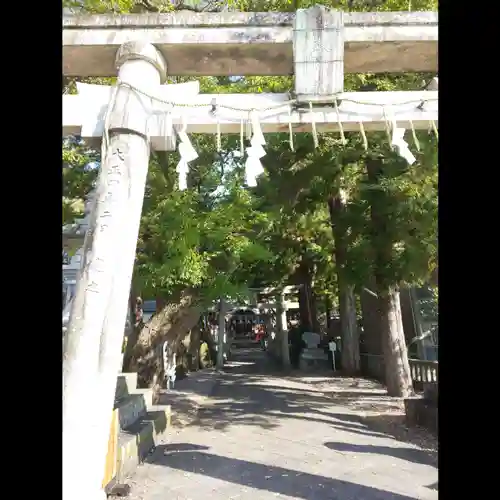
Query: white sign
column 333, row 347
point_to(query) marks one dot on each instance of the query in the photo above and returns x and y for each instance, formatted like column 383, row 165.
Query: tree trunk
column 285, row 350
column 304, row 311
column 134, row 331
column 170, row 324
column 194, row 348
column 347, row 303
column 313, row 308
column 328, row 313
column 207, row 337
column 307, row 299
column 372, row 337
column 349, row 354
column 397, row 368
column 408, row 314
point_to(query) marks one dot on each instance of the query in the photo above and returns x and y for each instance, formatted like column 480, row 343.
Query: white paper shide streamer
column 253, row 166
column 400, row 145
column 187, row 154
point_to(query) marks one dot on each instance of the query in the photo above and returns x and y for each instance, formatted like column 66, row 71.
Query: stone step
column 126, row 384
column 139, row 439
column 133, row 407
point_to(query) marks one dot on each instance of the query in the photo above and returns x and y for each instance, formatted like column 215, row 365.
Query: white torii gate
column 139, row 114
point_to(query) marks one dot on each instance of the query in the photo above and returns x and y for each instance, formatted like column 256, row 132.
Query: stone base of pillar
column 118, row 489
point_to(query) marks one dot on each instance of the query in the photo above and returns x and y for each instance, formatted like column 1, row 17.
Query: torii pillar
column 92, row 348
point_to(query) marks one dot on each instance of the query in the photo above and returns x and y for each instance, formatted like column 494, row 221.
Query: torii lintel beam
column 247, row 43
column 83, row 114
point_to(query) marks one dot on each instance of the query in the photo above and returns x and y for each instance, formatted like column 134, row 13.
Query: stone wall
column 423, row 410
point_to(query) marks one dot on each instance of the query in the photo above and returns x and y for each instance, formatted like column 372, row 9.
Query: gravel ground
column 378, row 410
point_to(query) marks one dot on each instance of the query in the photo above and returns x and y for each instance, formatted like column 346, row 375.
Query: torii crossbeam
column 247, row 43
column 83, row 114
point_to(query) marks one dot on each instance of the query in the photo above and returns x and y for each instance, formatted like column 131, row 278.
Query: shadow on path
column 278, row 480
column 252, row 392
column 408, row 454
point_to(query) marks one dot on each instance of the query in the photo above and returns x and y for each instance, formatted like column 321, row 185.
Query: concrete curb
column 177, row 408
column 135, row 444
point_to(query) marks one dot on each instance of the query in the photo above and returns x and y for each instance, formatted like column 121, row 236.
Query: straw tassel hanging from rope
column 187, row 154
column 253, row 166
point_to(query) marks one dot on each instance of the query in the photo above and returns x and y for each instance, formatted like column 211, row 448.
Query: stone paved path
column 264, row 436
